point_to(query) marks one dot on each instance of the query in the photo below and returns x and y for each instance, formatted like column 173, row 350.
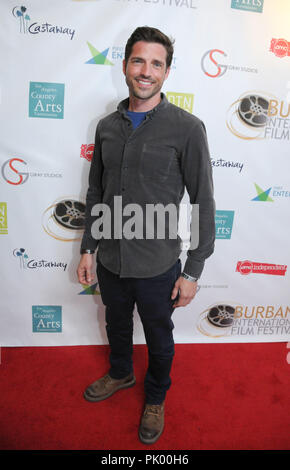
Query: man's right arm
column 94, row 194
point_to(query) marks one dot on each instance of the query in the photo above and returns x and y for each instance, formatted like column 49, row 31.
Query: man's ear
column 124, row 67
column 167, row 73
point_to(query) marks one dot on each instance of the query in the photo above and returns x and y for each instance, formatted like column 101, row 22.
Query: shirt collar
column 123, row 106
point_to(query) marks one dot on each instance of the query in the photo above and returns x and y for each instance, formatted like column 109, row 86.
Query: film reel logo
column 247, row 117
column 64, row 219
column 216, row 321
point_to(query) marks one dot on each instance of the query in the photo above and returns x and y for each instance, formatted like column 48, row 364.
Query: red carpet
column 224, row 396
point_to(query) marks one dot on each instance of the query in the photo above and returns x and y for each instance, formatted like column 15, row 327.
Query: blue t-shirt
column 136, row 118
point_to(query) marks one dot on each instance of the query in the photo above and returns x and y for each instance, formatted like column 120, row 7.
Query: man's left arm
column 197, row 173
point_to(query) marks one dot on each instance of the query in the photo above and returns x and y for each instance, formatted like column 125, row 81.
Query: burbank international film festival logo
column 259, row 115
column 46, row 100
column 64, row 219
column 232, row 319
column 28, row 26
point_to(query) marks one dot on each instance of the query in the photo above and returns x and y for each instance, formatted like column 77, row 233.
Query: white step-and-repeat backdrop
column 61, row 71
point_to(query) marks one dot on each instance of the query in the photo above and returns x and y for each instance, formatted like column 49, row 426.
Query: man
column 146, row 153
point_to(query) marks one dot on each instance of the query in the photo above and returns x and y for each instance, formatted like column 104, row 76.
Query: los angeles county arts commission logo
column 231, row 319
column 259, row 115
column 29, row 26
column 46, row 100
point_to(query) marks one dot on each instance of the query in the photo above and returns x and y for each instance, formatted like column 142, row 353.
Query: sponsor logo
column 46, row 100
column 87, row 151
column 214, row 69
column 259, row 116
column 64, row 219
column 227, row 319
column 26, row 263
column 182, row 100
column 27, row 27
column 224, row 224
column 251, row 267
column 280, row 47
column 221, row 163
column 90, row 290
column 98, row 57
column 277, row 192
column 111, row 55
column 13, row 176
column 46, row 319
column 3, row 219
column 248, row 5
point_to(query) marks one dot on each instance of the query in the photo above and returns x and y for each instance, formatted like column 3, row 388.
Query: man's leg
column 155, row 307
column 119, row 302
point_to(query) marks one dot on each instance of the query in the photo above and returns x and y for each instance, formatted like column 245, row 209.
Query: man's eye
column 157, row 64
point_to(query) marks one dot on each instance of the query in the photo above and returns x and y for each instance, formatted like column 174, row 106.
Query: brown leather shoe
column 105, row 387
column 152, row 423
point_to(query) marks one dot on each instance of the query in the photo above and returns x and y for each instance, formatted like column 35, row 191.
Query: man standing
column 146, row 154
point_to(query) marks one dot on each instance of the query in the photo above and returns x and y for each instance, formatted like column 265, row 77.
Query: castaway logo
column 224, row 224
column 27, row 263
column 46, row 319
column 3, row 219
column 222, row 163
column 213, row 68
column 252, row 267
column 64, row 219
column 12, row 175
column 276, row 192
column 28, row 26
column 248, row 5
column 256, row 115
column 87, row 151
column 227, row 319
column 46, row 100
column 280, row 47
column 182, row 100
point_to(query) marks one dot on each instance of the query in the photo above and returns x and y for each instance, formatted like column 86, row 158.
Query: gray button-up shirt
column 150, row 165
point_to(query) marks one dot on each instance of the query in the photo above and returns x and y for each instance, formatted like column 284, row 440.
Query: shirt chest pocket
column 158, row 161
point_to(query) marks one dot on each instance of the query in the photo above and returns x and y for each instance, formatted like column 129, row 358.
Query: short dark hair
column 148, row 34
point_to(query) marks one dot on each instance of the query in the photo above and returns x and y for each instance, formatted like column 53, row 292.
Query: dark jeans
column 155, row 307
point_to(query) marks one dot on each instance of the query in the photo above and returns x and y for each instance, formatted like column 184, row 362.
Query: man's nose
column 146, row 70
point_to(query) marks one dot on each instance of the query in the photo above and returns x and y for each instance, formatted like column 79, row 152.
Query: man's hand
column 187, row 290
column 85, row 271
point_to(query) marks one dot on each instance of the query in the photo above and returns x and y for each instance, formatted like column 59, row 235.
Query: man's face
column 146, row 69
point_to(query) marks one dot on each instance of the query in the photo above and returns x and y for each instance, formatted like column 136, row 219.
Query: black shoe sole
column 104, row 397
column 150, row 441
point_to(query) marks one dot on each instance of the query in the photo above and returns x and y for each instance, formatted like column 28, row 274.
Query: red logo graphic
column 248, row 267
column 280, row 47
column 87, row 151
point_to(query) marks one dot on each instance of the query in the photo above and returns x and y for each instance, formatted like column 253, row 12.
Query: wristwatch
column 89, row 252
column 189, row 278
